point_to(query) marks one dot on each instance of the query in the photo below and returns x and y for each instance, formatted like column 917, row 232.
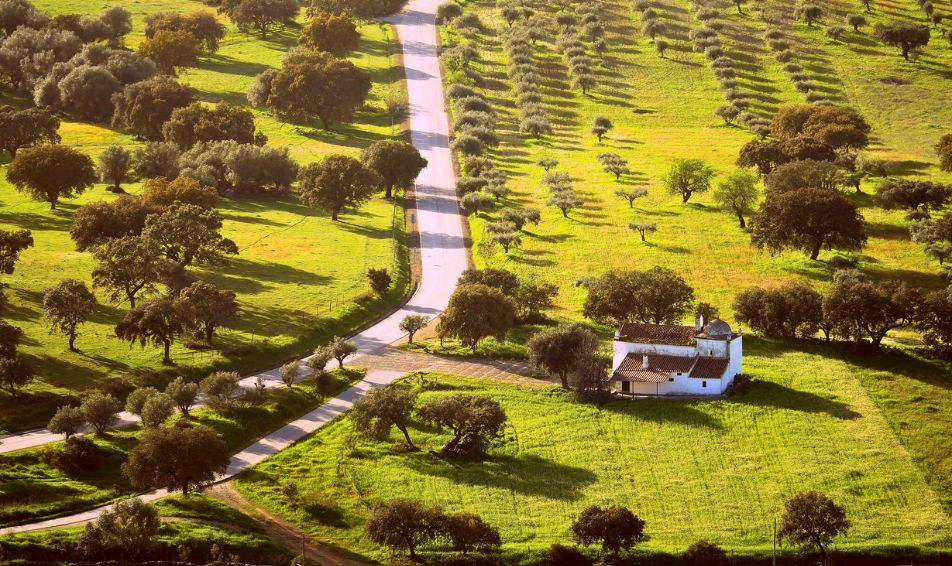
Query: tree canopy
column 808, row 220
column 51, row 172
column 335, row 34
column 812, row 520
column 476, row 311
column 24, row 128
column 475, row 420
column 657, row 296
column 67, row 305
column 738, row 193
column 383, row 408
column 907, row 36
column 155, row 321
column 688, row 176
column 558, row 350
column 336, row 182
column 143, row 107
column 178, row 457
column 315, row 83
column 396, row 162
column 260, row 15
column 615, row 527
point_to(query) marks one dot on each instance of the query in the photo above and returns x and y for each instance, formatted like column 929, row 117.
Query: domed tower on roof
column 717, row 328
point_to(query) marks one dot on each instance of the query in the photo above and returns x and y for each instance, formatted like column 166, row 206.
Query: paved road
column 442, row 248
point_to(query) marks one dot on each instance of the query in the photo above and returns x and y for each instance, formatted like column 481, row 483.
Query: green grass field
column 297, row 271
column 663, row 109
column 692, row 469
column 31, row 489
column 195, row 524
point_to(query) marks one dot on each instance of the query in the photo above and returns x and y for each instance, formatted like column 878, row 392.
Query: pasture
column 296, row 274
column 717, row 469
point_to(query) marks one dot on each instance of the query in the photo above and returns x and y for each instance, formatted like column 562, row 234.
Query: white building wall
column 737, row 358
column 682, row 385
column 621, row 349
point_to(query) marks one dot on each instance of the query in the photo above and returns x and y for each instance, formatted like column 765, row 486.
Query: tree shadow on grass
column 665, row 410
column 774, row 395
column 525, row 474
column 54, row 220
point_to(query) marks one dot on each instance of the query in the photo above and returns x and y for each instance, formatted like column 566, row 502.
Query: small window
column 703, row 384
column 670, row 379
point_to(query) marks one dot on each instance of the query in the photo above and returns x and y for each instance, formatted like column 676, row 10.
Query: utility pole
column 774, row 541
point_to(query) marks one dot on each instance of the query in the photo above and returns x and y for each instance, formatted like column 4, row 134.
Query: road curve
column 442, row 248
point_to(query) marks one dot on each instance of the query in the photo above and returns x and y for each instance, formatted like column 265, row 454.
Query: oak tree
column 474, row 312
column 396, row 162
column 687, row 177
column 51, row 172
column 383, row 408
column 336, row 182
column 67, row 305
column 738, row 193
column 808, row 220
column 155, row 321
column 182, row 458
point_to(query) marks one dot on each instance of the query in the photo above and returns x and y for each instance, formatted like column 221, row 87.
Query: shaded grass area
column 199, row 541
column 713, row 469
column 31, row 490
column 297, row 271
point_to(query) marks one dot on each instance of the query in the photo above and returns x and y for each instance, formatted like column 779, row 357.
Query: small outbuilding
column 668, row 359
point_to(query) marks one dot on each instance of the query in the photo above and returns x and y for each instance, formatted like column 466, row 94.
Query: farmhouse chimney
column 699, row 323
column 618, row 334
column 644, row 361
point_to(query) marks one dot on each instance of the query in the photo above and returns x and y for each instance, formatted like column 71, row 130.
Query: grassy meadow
column 663, row 109
column 193, row 525
column 32, row 490
column 717, row 469
column 297, row 271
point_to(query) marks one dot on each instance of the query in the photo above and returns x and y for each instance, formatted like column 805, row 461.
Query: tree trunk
column 740, row 218
column 209, row 333
column 642, row 236
column 905, row 52
column 685, row 196
column 564, row 378
column 167, row 359
column 334, row 214
column 389, row 193
column 815, row 252
column 406, row 435
column 565, row 212
column 132, row 299
column 72, row 341
column 52, row 204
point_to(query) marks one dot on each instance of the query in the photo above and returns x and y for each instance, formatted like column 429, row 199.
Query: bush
column 560, row 555
column 792, row 68
column 703, row 553
column 803, row 86
column 157, row 409
column 448, row 11
column 457, row 90
column 784, row 56
column 380, row 280
column 79, row 456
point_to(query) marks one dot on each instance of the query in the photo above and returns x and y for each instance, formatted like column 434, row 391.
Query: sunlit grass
column 297, row 271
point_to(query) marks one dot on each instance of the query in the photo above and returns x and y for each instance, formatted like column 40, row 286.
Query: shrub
column 100, row 411
column 448, row 11
column 457, row 90
column 803, row 86
column 784, row 56
column 380, row 280
column 157, row 409
column 79, row 456
column 792, row 68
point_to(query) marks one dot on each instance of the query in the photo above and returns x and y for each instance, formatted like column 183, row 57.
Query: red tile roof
column 672, row 334
column 659, row 368
column 709, row 368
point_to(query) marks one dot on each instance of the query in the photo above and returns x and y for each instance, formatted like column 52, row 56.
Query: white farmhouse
column 668, row 359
